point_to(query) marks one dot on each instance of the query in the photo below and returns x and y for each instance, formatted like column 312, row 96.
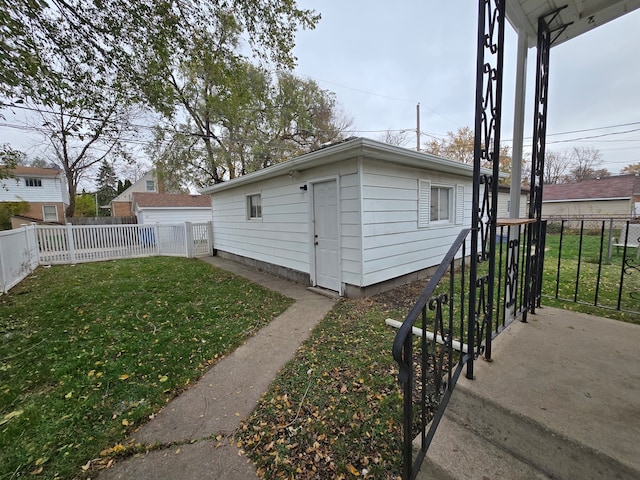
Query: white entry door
column 325, row 221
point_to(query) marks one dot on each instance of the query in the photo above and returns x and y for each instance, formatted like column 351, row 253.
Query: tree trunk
column 71, row 208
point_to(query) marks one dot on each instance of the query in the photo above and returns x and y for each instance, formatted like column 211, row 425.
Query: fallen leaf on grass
column 10, row 415
column 124, row 376
column 353, row 470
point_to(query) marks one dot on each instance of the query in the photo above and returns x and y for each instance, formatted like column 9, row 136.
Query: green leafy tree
column 131, row 37
column 9, row 159
column 239, row 126
column 84, row 126
column 88, row 62
column 86, row 205
column 8, row 209
column 122, row 186
column 106, row 182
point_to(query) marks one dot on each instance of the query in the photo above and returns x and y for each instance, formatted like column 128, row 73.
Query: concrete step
column 458, row 453
column 480, row 439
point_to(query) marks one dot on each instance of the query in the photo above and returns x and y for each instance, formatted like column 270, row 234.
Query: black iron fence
column 431, row 349
column 593, row 262
column 443, row 332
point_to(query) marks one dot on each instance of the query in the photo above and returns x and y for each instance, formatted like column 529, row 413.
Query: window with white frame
column 49, row 213
column 151, row 186
column 33, row 182
column 439, row 204
column 254, row 206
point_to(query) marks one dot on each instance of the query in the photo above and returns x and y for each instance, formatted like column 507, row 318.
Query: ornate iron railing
column 430, row 365
column 432, row 346
column 496, row 288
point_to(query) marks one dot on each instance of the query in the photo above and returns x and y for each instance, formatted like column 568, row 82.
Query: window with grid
column 33, row 182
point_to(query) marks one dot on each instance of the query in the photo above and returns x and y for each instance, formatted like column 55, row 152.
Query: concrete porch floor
column 572, row 377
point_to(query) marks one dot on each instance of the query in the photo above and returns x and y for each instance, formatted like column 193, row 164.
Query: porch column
column 518, row 126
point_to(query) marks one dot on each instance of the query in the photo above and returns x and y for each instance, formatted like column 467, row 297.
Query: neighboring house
column 122, row 206
column 354, row 217
column 171, row 208
column 45, row 190
column 608, row 196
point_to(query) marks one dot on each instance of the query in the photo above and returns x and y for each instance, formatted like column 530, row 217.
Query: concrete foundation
column 349, row 290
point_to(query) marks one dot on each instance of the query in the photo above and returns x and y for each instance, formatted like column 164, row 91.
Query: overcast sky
column 381, row 58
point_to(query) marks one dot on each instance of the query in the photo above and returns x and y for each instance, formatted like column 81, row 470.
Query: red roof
column 167, row 200
column 620, row 186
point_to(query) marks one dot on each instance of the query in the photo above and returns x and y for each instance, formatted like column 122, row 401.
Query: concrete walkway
column 196, row 428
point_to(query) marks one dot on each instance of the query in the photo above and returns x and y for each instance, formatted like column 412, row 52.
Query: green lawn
column 335, row 410
column 583, row 275
column 90, row 351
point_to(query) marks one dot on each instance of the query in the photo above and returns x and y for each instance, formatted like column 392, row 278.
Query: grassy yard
column 335, row 410
column 90, row 351
column 578, row 279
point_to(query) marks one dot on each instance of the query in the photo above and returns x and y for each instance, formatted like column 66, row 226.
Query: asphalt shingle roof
column 620, row 186
column 159, row 200
column 36, row 171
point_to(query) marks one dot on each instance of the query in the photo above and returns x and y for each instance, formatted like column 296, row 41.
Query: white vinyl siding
column 282, row 237
column 394, row 243
column 379, row 213
column 590, row 207
column 351, row 236
column 52, row 190
column 149, row 215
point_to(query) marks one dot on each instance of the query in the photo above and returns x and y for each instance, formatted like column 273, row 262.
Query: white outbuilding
column 355, row 217
column 171, row 208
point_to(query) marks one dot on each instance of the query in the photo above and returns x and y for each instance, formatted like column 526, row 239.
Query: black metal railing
column 593, row 262
column 431, row 357
column 438, row 337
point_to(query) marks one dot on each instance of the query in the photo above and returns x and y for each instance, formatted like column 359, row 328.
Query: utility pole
column 418, row 127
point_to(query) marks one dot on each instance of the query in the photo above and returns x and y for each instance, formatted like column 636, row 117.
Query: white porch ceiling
column 584, row 15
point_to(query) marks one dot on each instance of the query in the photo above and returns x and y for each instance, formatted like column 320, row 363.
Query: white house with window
column 355, row 217
column 122, row 205
column 44, row 189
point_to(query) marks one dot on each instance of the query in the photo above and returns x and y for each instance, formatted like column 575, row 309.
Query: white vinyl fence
column 18, row 256
column 23, row 249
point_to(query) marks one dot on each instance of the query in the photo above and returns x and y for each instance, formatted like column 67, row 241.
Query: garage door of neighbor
column 326, row 243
